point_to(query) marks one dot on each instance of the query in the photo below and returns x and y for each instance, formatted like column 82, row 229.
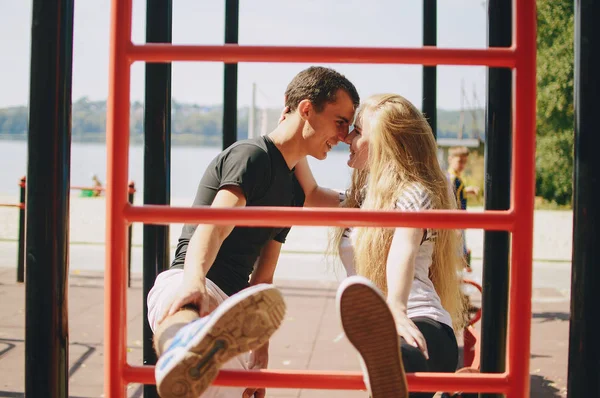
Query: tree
column 554, row 154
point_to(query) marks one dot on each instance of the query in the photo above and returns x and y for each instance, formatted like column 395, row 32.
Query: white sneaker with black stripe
column 243, row 322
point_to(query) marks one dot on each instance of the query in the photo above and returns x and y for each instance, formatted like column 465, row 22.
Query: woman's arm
column 316, row 196
column 400, row 272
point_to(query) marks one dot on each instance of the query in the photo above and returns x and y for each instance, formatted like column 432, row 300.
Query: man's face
column 458, row 163
column 327, row 128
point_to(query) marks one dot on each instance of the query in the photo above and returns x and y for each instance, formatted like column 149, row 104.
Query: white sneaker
column 370, row 327
column 243, row 322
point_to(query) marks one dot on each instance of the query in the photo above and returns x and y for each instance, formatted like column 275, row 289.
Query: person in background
column 457, row 162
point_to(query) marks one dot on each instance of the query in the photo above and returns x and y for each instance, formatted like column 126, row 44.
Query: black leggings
column 441, row 347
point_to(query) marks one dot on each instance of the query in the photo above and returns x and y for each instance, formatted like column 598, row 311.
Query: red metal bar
column 471, row 348
column 78, row 188
column 477, row 316
column 17, row 205
column 328, row 380
column 117, row 145
column 523, row 177
column 232, row 53
column 284, row 216
column 130, row 188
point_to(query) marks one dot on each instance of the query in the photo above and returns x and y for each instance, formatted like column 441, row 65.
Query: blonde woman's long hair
column 402, row 151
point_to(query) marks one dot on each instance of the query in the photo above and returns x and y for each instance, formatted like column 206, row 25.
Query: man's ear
column 305, row 109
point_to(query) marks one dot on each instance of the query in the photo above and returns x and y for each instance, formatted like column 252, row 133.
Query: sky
column 374, row 23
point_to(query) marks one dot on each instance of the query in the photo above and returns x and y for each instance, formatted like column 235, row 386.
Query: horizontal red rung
column 18, row 205
column 323, row 380
column 130, row 188
column 285, row 216
column 233, row 53
column 77, row 188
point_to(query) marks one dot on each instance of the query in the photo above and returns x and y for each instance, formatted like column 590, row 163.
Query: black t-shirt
column 259, row 169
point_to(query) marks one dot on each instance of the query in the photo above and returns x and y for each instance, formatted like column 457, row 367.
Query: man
column 457, row 162
column 213, row 263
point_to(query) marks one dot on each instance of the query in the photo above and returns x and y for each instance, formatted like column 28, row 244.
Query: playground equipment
column 21, row 234
column 21, row 230
column 518, row 220
column 46, row 346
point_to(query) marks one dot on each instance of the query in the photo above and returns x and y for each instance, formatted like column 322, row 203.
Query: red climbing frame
column 518, row 220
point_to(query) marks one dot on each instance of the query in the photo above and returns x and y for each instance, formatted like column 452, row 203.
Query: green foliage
column 554, row 164
column 554, row 155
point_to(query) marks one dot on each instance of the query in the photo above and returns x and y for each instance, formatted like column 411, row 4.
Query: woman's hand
column 410, row 332
column 283, row 113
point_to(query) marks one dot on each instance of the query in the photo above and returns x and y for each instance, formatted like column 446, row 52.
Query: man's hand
column 259, row 359
column 191, row 294
column 473, row 190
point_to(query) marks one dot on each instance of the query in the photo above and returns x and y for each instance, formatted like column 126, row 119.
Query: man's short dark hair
column 319, row 85
column 457, row 151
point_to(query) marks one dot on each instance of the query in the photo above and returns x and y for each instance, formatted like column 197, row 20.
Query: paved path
column 310, row 337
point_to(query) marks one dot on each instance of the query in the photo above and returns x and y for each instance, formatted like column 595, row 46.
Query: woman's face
column 358, row 139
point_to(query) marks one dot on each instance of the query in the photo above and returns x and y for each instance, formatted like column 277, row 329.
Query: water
column 187, row 166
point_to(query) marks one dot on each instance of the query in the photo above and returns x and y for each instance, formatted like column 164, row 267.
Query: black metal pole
column 584, row 346
column 21, row 247
column 157, row 161
column 131, row 197
column 430, row 72
column 497, row 195
column 48, row 174
column 230, row 78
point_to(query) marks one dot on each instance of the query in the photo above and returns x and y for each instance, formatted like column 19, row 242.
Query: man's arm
column 266, row 264
column 263, row 273
column 207, row 239
column 472, row 189
column 202, row 251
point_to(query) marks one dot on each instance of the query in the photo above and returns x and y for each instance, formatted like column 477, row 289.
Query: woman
column 393, row 154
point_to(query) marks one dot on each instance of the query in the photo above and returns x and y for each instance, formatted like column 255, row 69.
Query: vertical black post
column 497, row 195
column 584, row 346
column 230, row 79
column 130, row 196
column 157, row 161
column 21, row 244
column 430, row 72
column 48, row 174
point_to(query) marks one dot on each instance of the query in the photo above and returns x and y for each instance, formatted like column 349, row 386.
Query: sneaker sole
column 369, row 326
column 242, row 327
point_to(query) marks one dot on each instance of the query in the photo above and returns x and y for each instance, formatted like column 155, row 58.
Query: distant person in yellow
column 97, row 184
column 97, row 188
column 457, row 162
